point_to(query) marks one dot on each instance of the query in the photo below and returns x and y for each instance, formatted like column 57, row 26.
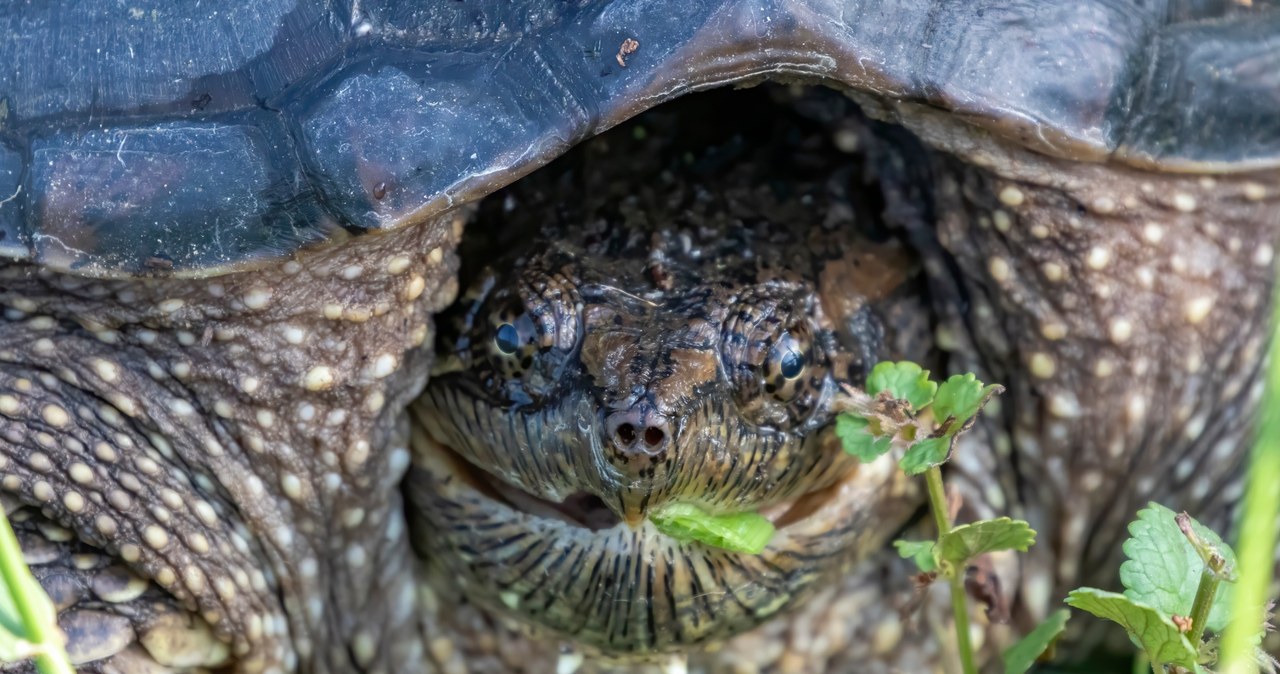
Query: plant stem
column 1205, row 593
column 959, row 604
column 28, row 602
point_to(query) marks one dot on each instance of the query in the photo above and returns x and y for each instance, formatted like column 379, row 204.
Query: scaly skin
column 237, row 442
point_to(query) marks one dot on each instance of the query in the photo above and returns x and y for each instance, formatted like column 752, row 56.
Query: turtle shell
column 185, row 137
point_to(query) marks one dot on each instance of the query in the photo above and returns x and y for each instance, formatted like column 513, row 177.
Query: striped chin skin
column 628, row 590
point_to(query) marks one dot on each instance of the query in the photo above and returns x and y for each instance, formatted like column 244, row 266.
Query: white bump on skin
column 999, row 269
column 55, row 416
column 1098, row 258
column 1198, row 309
column 39, row 462
column 383, row 366
column 294, row 334
column 357, row 454
column 397, row 265
column 249, row 384
column 356, row 556
column 353, row 517
column 41, row 323
column 186, row 338
column 1254, row 192
column 1184, row 202
column 257, row 298
column 318, row 378
column 43, row 346
column 265, row 418
column 1064, row 405
column 181, row 407
column 333, row 311
column 413, row 289
column 1135, row 409
column 171, row 305
column 105, row 525
column 1104, row 205
column 292, row 267
column 205, row 512
column 193, row 578
column 8, row 404
column 1262, row 256
column 1152, row 232
column 146, row 465
column 80, row 473
column 73, row 501
column 1001, row 220
column 292, row 486
column 43, row 491
column 1011, row 196
column 435, row 256
column 306, row 412
column 147, row 337
column 222, row 408
column 155, row 536
column 181, row 369
column 1042, row 365
column 363, row 648
column 375, row 401
column 130, row 552
column 1053, row 330
column 1120, row 330
column 352, row 272
column 284, row 536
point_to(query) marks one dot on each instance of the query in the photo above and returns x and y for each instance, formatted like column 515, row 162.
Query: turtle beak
column 633, row 516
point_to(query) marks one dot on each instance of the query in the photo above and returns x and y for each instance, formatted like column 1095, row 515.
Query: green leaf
column 925, row 454
column 967, row 541
column 855, row 434
column 1022, row 655
column 903, row 380
column 739, row 532
column 1153, row 631
column 961, row 396
column 920, row 552
column 1163, row 569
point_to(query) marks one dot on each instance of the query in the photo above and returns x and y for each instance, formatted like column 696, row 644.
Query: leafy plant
column 903, row 408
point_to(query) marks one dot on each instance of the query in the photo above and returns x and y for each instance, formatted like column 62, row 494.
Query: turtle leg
column 233, row 442
column 1126, row 311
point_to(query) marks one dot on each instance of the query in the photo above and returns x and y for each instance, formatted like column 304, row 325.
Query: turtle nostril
column 653, row 436
column 626, row 434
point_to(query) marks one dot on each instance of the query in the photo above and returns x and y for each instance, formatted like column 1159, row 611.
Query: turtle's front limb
column 219, row 457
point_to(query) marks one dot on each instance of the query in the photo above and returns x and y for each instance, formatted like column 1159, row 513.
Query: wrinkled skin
column 237, row 442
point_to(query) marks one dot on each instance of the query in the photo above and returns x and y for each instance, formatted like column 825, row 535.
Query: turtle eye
column 785, row 364
column 507, row 339
column 513, row 342
column 789, row 357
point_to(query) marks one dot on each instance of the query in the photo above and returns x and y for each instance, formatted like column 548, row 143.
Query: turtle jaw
column 630, row 591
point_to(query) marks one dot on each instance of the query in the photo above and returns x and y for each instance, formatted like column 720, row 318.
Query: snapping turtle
column 229, row 229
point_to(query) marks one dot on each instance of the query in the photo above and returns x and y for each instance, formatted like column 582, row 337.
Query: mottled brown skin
column 236, row 442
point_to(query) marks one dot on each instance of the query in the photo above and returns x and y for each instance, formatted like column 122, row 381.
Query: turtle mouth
column 588, row 511
column 580, row 509
column 576, row 569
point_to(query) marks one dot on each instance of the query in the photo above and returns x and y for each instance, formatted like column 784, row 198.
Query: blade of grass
column 1256, row 547
column 41, row 629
